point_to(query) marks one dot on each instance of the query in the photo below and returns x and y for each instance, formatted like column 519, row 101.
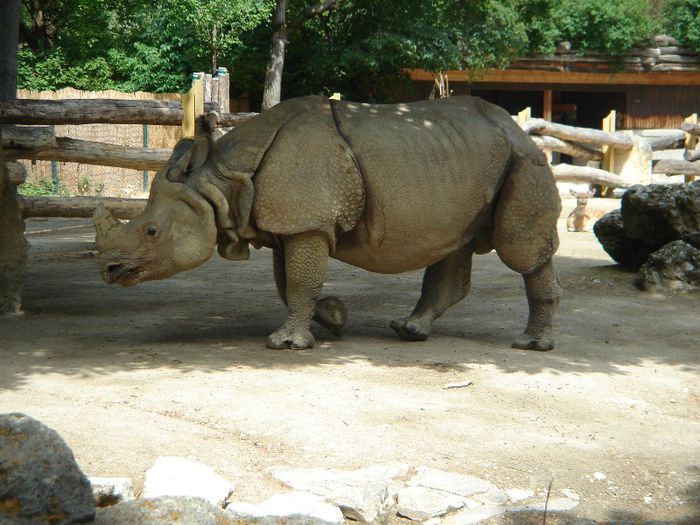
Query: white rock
column 109, row 491
column 361, row 494
column 599, row 476
column 450, row 482
column 553, row 505
column 519, row 494
column 474, row 516
column 173, row 476
column 421, row 503
column 493, row 496
column 293, row 508
column 570, row 494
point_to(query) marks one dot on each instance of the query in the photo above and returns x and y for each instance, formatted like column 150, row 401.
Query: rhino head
column 177, row 231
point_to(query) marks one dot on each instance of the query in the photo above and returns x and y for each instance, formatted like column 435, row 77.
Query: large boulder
column 675, row 267
column 649, row 218
column 660, row 214
column 623, row 250
column 40, row 481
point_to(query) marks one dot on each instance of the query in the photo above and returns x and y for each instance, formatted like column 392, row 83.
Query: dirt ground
column 179, row 367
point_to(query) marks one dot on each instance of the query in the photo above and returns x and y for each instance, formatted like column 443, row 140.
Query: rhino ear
column 188, row 155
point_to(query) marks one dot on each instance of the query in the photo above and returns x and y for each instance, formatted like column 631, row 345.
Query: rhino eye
column 151, row 230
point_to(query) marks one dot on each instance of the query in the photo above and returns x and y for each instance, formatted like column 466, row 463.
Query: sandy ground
column 179, row 367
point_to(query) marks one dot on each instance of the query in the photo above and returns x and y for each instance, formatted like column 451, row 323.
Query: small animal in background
column 577, row 221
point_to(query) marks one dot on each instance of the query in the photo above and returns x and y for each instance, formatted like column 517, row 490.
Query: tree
column 682, row 20
column 9, row 37
column 272, row 91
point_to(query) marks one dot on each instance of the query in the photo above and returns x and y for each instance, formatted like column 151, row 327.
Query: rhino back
column 431, row 172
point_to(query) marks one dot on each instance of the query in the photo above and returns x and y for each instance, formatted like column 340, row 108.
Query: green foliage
column 41, row 188
column 608, row 27
column 682, row 21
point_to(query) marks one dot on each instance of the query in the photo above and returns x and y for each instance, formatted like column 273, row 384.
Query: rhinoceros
column 387, row 188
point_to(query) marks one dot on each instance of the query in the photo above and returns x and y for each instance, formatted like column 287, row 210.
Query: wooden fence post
column 691, row 141
column 192, row 105
column 524, row 115
column 608, row 164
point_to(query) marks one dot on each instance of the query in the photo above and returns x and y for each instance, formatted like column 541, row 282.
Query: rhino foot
column 527, row 341
column 331, row 314
column 294, row 338
column 410, row 330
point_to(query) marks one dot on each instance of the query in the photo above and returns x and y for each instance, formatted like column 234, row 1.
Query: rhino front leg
column 305, row 258
column 444, row 283
column 330, row 311
column 543, row 294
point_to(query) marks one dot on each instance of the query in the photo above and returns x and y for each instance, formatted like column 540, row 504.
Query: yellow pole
column 192, row 106
column 609, row 125
column 691, row 142
column 524, row 115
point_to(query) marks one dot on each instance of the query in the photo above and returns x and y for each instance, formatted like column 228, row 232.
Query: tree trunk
column 582, row 135
column 272, row 93
column 13, row 248
column 9, row 39
column 568, row 148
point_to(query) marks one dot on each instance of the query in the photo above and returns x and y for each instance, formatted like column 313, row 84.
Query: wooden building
column 649, row 88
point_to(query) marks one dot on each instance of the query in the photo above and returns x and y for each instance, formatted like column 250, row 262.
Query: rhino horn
column 103, row 220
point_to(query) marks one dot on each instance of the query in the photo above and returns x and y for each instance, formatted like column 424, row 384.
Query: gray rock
column 421, row 503
column 173, row 476
column 361, row 494
column 659, row 214
column 110, row 491
column 450, row 482
column 165, row 511
column 675, row 268
column 293, row 508
column 40, row 481
column 553, row 505
column 474, row 516
column 623, row 250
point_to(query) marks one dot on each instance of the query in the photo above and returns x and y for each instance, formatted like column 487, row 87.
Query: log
column 100, row 111
column 675, row 141
column 99, row 153
column 688, row 127
column 585, row 174
column 691, row 156
column 568, row 148
column 677, row 167
column 582, row 135
column 27, row 137
column 17, row 172
column 79, row 206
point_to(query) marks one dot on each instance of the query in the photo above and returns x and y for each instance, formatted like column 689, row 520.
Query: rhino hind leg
column 445, row 283
column 305, row 261
column 525, row 238
column 543, row 294
column 330, row 312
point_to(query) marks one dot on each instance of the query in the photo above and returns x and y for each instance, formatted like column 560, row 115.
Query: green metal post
column 145, row 145
column 54, row 170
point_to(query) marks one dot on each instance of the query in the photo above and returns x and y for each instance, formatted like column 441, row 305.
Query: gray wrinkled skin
column 387, row 188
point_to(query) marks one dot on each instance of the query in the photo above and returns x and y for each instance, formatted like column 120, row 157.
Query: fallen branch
column 677, row 167
column 689, row 127
column 79, row 206
column 87, row 152
column 674, row 141
column 17, row 172
column 568, row 148
column 106, row 111
column 582, row 135
column 585, row 174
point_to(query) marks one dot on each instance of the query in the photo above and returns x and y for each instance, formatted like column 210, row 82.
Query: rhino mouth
column 121, row 273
